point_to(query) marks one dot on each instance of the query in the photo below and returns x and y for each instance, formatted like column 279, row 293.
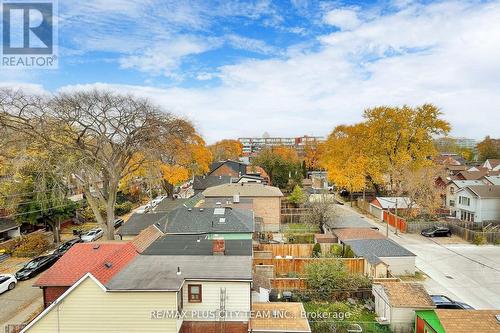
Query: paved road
column 463, row 271
column 14, row 301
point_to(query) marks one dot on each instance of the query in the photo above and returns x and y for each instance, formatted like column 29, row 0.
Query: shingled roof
column 407, row 295
column 103, row 260
column 243, row 190
column 140, row 221
column 467, row 321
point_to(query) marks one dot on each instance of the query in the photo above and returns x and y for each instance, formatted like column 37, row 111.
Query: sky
column 288, row 68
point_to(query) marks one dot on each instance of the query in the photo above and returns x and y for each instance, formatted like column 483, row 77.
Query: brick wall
column 269, row 209
column 213, row 327
column 50, row 294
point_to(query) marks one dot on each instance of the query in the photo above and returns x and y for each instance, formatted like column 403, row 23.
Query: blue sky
column 242, row 68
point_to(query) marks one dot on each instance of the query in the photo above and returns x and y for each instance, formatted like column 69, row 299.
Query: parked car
column 118, row 223
column 444, row 302
column 92, row 235
column 64, row 247
column 436, row 231
column 7, row 282
column 36, row 266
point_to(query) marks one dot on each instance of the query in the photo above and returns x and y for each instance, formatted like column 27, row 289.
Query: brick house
column 266, row 200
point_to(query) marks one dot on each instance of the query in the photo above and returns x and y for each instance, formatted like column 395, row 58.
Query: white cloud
column 251, row 44
column 166, row 57
column 445, row 53
column 344, row 19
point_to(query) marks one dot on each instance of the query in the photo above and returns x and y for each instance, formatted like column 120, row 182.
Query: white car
column 92, row 235
column 7, row 282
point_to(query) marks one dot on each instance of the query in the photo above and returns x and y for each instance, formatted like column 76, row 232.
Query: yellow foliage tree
column 226, row 150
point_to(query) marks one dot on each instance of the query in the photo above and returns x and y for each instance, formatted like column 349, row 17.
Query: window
column 452, row 190
column 452, row 203
column 194, row 293
column 464, row 201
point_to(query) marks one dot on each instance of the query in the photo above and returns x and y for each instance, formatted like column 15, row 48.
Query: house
column 156, row 294
column 449, row 159
column 199, row 245
column 492, row 164
column 140, row 221
column 400, row 261
column 381, row 204
column 201, row 183
column 279, row 317
column 103, row 260
column 255, row 170
column 266, row 200
column 479, row 203
column 8, row 229
column 215, row 223
column 451, row 190
column 228, row 168
column 396, row 303
column 248, row 179
column 457, row 321
column 491, row 180
column 356, row 233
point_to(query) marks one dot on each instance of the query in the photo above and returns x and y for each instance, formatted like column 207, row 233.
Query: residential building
column 156, row 294
column 479, row 203
column 252, row 146
column 228, row 168
column 451, row 190
column 137, row 222
column 356, row 233
column 215, row 223
column 199, row 245
column 492, row 164
column 492, row 180
column 103, row 260
column 201, row 183
column 266, row 200
column 399, row 260
column 282, row 317
column 457, row 321
column 396, row 303
column 391, row 204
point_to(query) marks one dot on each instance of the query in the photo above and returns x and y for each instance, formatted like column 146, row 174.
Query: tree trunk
column 110, row 211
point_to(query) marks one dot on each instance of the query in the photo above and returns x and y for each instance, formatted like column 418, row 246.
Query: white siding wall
column 237, row 298
column 382, row 308
column 400, row 265
column 88, row 308
column 490, row 209
column 402, row 320
column 377, row 212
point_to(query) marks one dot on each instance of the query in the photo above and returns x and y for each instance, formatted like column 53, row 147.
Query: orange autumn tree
column 287, row 153
column 312, row 155
column 226, row 150
column 193, row 158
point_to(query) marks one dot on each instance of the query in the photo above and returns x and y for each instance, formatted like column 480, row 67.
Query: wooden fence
column 297, row 265
column 395, row 221
column 284, row 250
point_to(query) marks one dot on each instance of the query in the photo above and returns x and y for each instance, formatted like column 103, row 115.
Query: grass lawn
column 301, row 228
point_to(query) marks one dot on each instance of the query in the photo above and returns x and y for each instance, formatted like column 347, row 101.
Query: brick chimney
column 218, row 247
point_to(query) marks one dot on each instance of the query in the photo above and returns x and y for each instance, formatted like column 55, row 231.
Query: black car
column 443, row 302
column 436, row 232
column 118, row 223
column 64, row 247
column 36, row 266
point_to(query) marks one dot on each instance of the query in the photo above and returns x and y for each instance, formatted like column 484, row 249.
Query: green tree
column 297, row 197
column 325, row 277
column 282, row 166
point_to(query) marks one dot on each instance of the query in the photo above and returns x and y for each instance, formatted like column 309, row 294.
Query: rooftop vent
column 201, row 209
column 236, row 198
column 219, row 211
column 108, row 265
column 190, row 209
column 178, row 270
column 96, row 246
column 498, row 318
column 218, row 203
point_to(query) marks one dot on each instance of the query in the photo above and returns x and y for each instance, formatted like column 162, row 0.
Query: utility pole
column 396, row 219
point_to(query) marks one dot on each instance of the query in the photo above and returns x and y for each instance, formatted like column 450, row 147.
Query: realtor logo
column 28, row 34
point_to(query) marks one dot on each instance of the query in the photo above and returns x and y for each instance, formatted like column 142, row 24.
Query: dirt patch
column 450, row 240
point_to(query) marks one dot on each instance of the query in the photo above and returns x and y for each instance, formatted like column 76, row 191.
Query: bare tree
column 98, row 134
column 321, row 212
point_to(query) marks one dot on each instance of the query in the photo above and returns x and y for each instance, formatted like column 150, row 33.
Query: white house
column 492, row 164
column 396, row 302
column 156, row 293
column 451, row 192
column 379, row 204
column 478, row 203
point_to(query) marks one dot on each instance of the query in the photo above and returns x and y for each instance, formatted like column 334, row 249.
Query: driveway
column 18, row 304
column 462, row 271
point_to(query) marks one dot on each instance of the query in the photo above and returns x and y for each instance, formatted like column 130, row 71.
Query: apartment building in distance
column 252, row 146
